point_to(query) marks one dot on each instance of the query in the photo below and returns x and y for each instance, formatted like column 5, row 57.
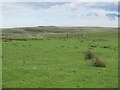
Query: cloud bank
column 17, row 14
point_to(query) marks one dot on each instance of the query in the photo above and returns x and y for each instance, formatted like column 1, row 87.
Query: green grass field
column 58, row 60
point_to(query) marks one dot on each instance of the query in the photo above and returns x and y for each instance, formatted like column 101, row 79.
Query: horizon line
column 63, row 26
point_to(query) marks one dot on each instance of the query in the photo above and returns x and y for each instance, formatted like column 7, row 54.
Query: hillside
column 43, row 30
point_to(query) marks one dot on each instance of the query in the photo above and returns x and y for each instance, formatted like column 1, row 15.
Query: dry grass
column 97, row 62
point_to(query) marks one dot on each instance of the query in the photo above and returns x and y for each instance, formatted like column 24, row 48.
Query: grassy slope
column 33, row 31
column 59, row 63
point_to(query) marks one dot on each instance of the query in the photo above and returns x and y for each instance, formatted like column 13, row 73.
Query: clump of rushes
column 89, row 55
column 97, row 62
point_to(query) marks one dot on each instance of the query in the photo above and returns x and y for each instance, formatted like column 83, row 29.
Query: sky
column 30, row 14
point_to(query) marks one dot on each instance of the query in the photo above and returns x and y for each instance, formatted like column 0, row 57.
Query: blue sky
column 24, row 14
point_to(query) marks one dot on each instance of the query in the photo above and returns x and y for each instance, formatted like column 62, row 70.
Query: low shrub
column 89, row 55
column 97, row 62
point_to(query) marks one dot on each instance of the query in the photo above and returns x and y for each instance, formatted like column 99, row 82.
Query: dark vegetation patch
column 16, row 31
column 43, row 30
column 18, row 39
column 9, row 40
column 89, row 55
column 105, row 47
column 34, row 30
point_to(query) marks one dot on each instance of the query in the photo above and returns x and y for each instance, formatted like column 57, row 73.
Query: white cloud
column 74, row 13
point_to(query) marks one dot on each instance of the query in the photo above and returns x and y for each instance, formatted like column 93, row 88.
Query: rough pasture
column 60, row 62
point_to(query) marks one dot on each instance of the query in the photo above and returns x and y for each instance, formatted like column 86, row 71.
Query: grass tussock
column 89, row 55
column 97, row 62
